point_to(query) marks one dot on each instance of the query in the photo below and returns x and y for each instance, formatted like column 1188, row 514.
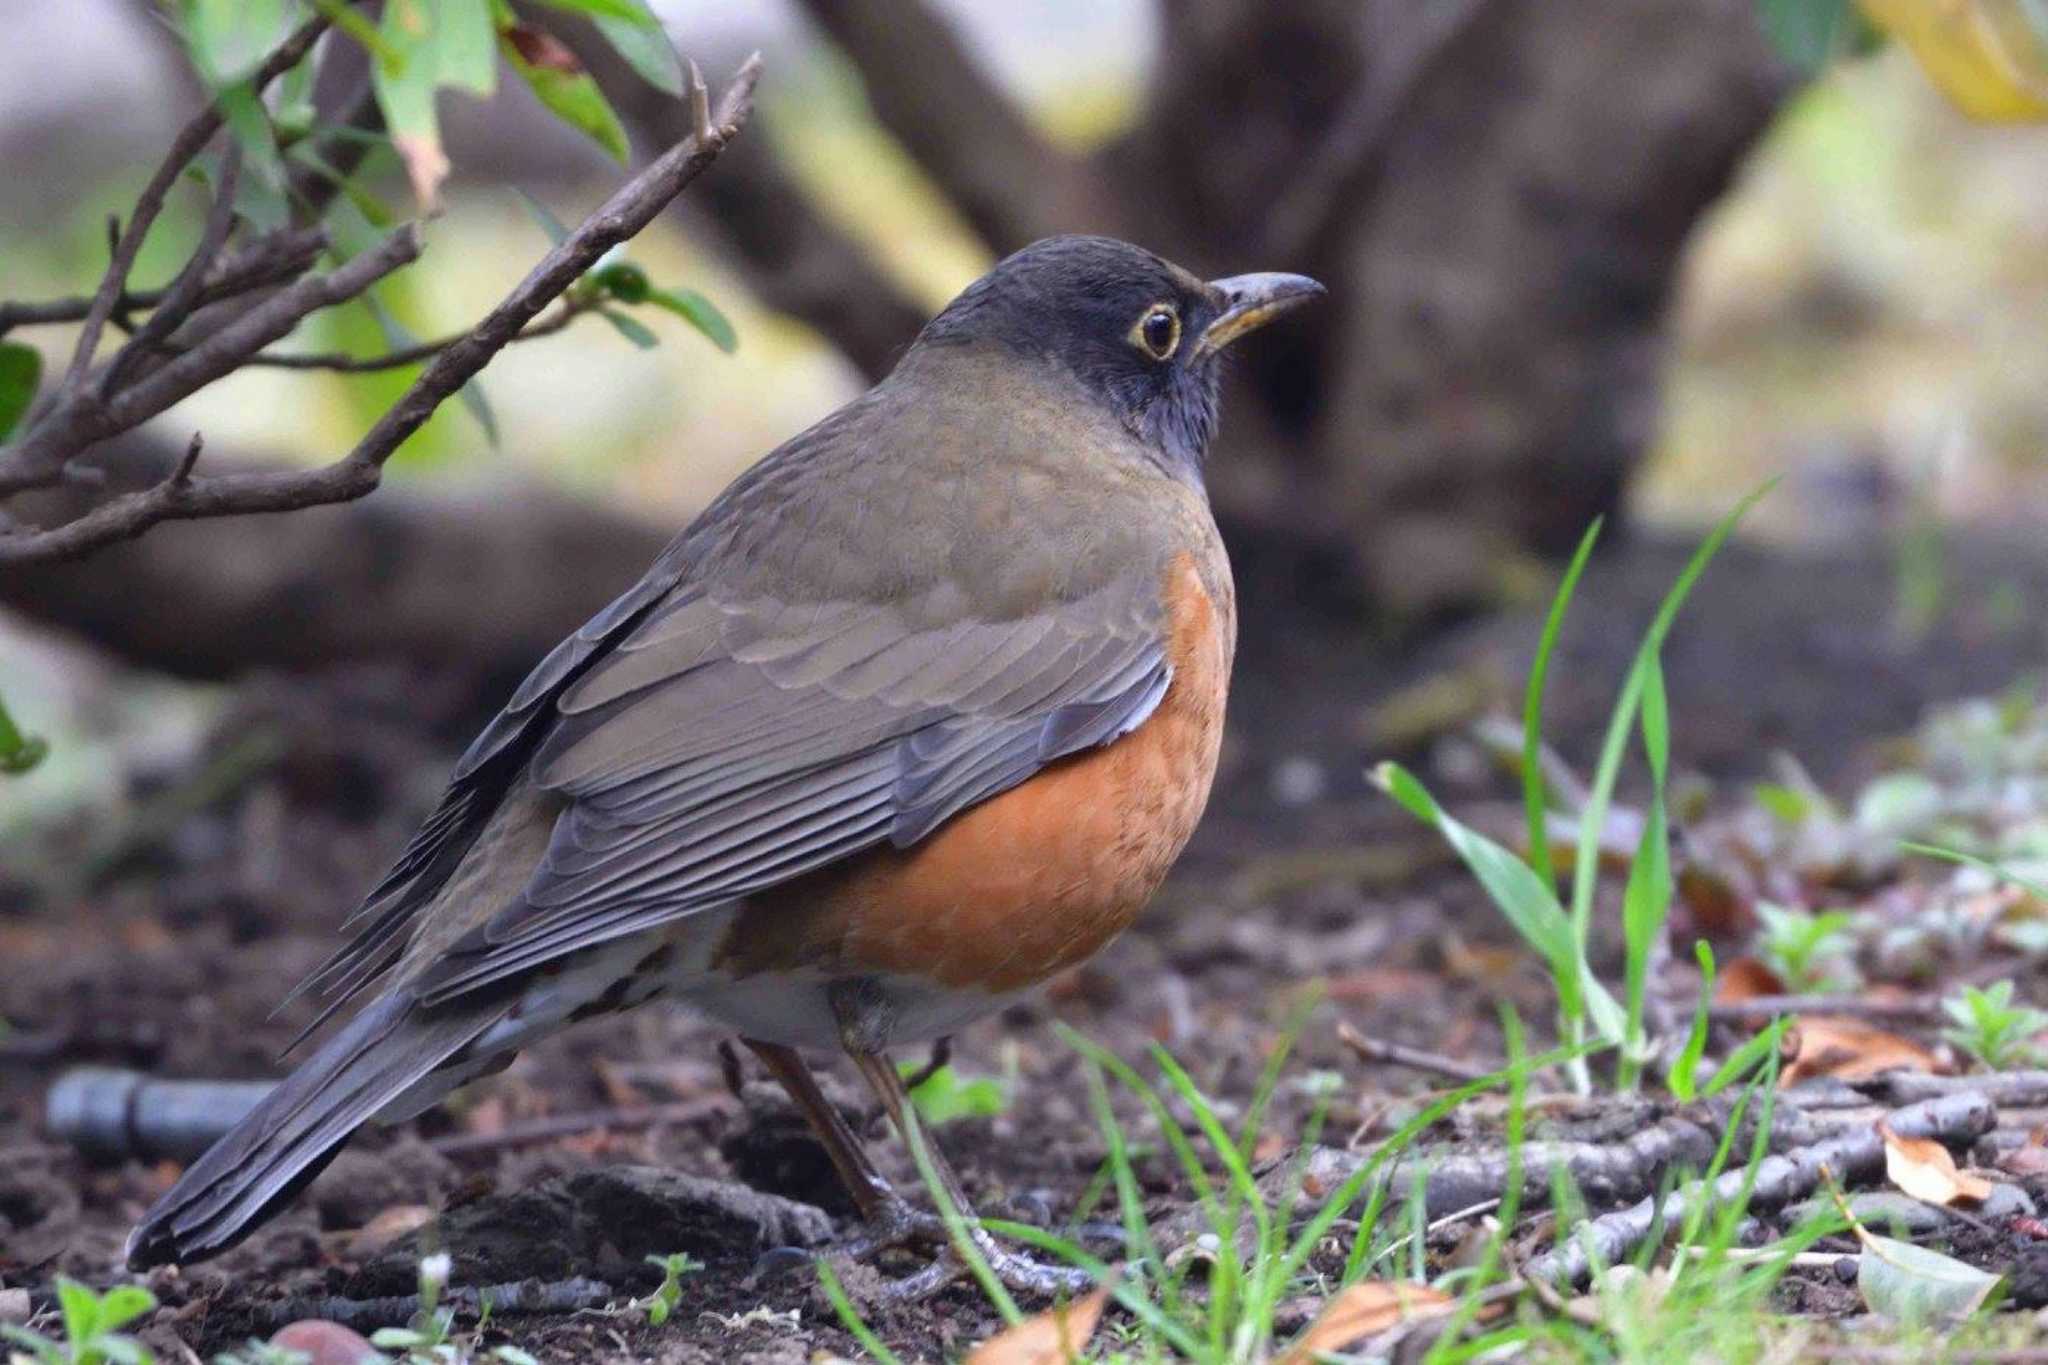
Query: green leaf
column 1917, row 1287
column 81, row 1309
column 549, row 224
column 632, row 329
column 473, row 398
column 1788, row 804
column 1522, row 897
column 1808, row 34
column 465, row 45
column 628, row 11
column 405, row 94
column 645, row 46
column 625, row 282
column 345, row 16
column 700, row 313
column 21, row 370
column 229, row 39
column 1532, row 709
column 945, row 1096
column 260, row 192
column 573, row 97
column 123, row 1304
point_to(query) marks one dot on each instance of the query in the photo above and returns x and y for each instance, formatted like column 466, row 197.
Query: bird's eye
column 1157, row 333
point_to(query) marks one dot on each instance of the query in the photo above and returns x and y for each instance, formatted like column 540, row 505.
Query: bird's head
column 1141, row 336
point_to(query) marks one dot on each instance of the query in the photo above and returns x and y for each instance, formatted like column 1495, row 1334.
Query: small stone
column 2006, row 1201
column 326, row 1343
column 14, row 1305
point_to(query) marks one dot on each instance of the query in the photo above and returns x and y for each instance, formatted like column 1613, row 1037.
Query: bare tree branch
column 1006, row 180
column 629, row 210
column 190, row 140
column 340, row 362
column 84, row 414
column 271, row 259
column 794, row 258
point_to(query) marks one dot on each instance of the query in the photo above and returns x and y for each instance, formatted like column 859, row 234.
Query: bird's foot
column 899, row 1226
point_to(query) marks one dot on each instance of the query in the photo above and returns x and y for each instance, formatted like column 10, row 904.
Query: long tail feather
column 297, row 1129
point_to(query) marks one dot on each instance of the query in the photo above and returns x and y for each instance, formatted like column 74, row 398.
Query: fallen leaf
column 1745, row 978
column 1913, row 1285
column 1054, row 1337
column 1831, row 1046
column 1366, row 1309
column 1719, row 911
column 1924, row 1169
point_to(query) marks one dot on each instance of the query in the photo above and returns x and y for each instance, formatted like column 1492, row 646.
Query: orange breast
column 1039, row 878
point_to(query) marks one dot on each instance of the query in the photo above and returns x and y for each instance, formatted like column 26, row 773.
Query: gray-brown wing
column 718, row 750
column 382, row 924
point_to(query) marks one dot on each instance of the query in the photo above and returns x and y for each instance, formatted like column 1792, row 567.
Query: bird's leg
column 890, row 1218
column 1019, row 1272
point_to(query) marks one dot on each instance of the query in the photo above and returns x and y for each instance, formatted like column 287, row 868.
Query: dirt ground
column 212, row 892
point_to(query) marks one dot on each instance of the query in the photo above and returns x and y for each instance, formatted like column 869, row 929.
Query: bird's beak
column 1250, row 302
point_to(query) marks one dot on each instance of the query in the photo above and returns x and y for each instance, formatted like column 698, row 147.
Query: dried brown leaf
column 1831, row 1046
column 1366, row 1309
column 1054, row 1337
column 1745, row 978
column 1924, row 1169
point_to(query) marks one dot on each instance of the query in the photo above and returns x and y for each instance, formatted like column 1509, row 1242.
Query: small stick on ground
column 1761, row 1009
column 519, row 1296
column 1379, row 1050
column 1778, row 1180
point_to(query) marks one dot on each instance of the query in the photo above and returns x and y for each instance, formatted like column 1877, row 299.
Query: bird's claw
column 901, row 1226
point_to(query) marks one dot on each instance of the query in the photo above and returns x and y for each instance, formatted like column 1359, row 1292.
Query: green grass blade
column 1646, row 901
column 1533, row 798
column 850, row 1318
column 1678, row 1079
column 955, row 1219
column 1121, row 1288
column 1621, row 722
column 1998, row 870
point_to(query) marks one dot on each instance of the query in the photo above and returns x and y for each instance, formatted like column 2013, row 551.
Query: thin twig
column 629, row 210
column 183, row 295
column 1379, row 1050
column 189, row 460
column 340, row 362
column 1777, row 1180
column 190, row 140
column 1762, row 1009
column 519, row 1296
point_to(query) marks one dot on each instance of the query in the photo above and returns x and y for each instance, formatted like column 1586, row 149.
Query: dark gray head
column 1142, row 335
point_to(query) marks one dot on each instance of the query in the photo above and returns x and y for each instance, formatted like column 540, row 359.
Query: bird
column 915, row 715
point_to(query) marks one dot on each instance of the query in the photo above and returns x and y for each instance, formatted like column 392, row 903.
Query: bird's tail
column 290, row 1137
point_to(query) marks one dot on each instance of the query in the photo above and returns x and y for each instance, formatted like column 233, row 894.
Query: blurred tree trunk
column 1496, row 191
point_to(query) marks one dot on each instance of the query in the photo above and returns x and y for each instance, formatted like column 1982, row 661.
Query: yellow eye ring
column 1157, row 331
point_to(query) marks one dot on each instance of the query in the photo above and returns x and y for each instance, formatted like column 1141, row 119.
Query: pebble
column 327, row 1343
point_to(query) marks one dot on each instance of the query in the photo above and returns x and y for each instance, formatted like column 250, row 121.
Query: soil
column 213, row 891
